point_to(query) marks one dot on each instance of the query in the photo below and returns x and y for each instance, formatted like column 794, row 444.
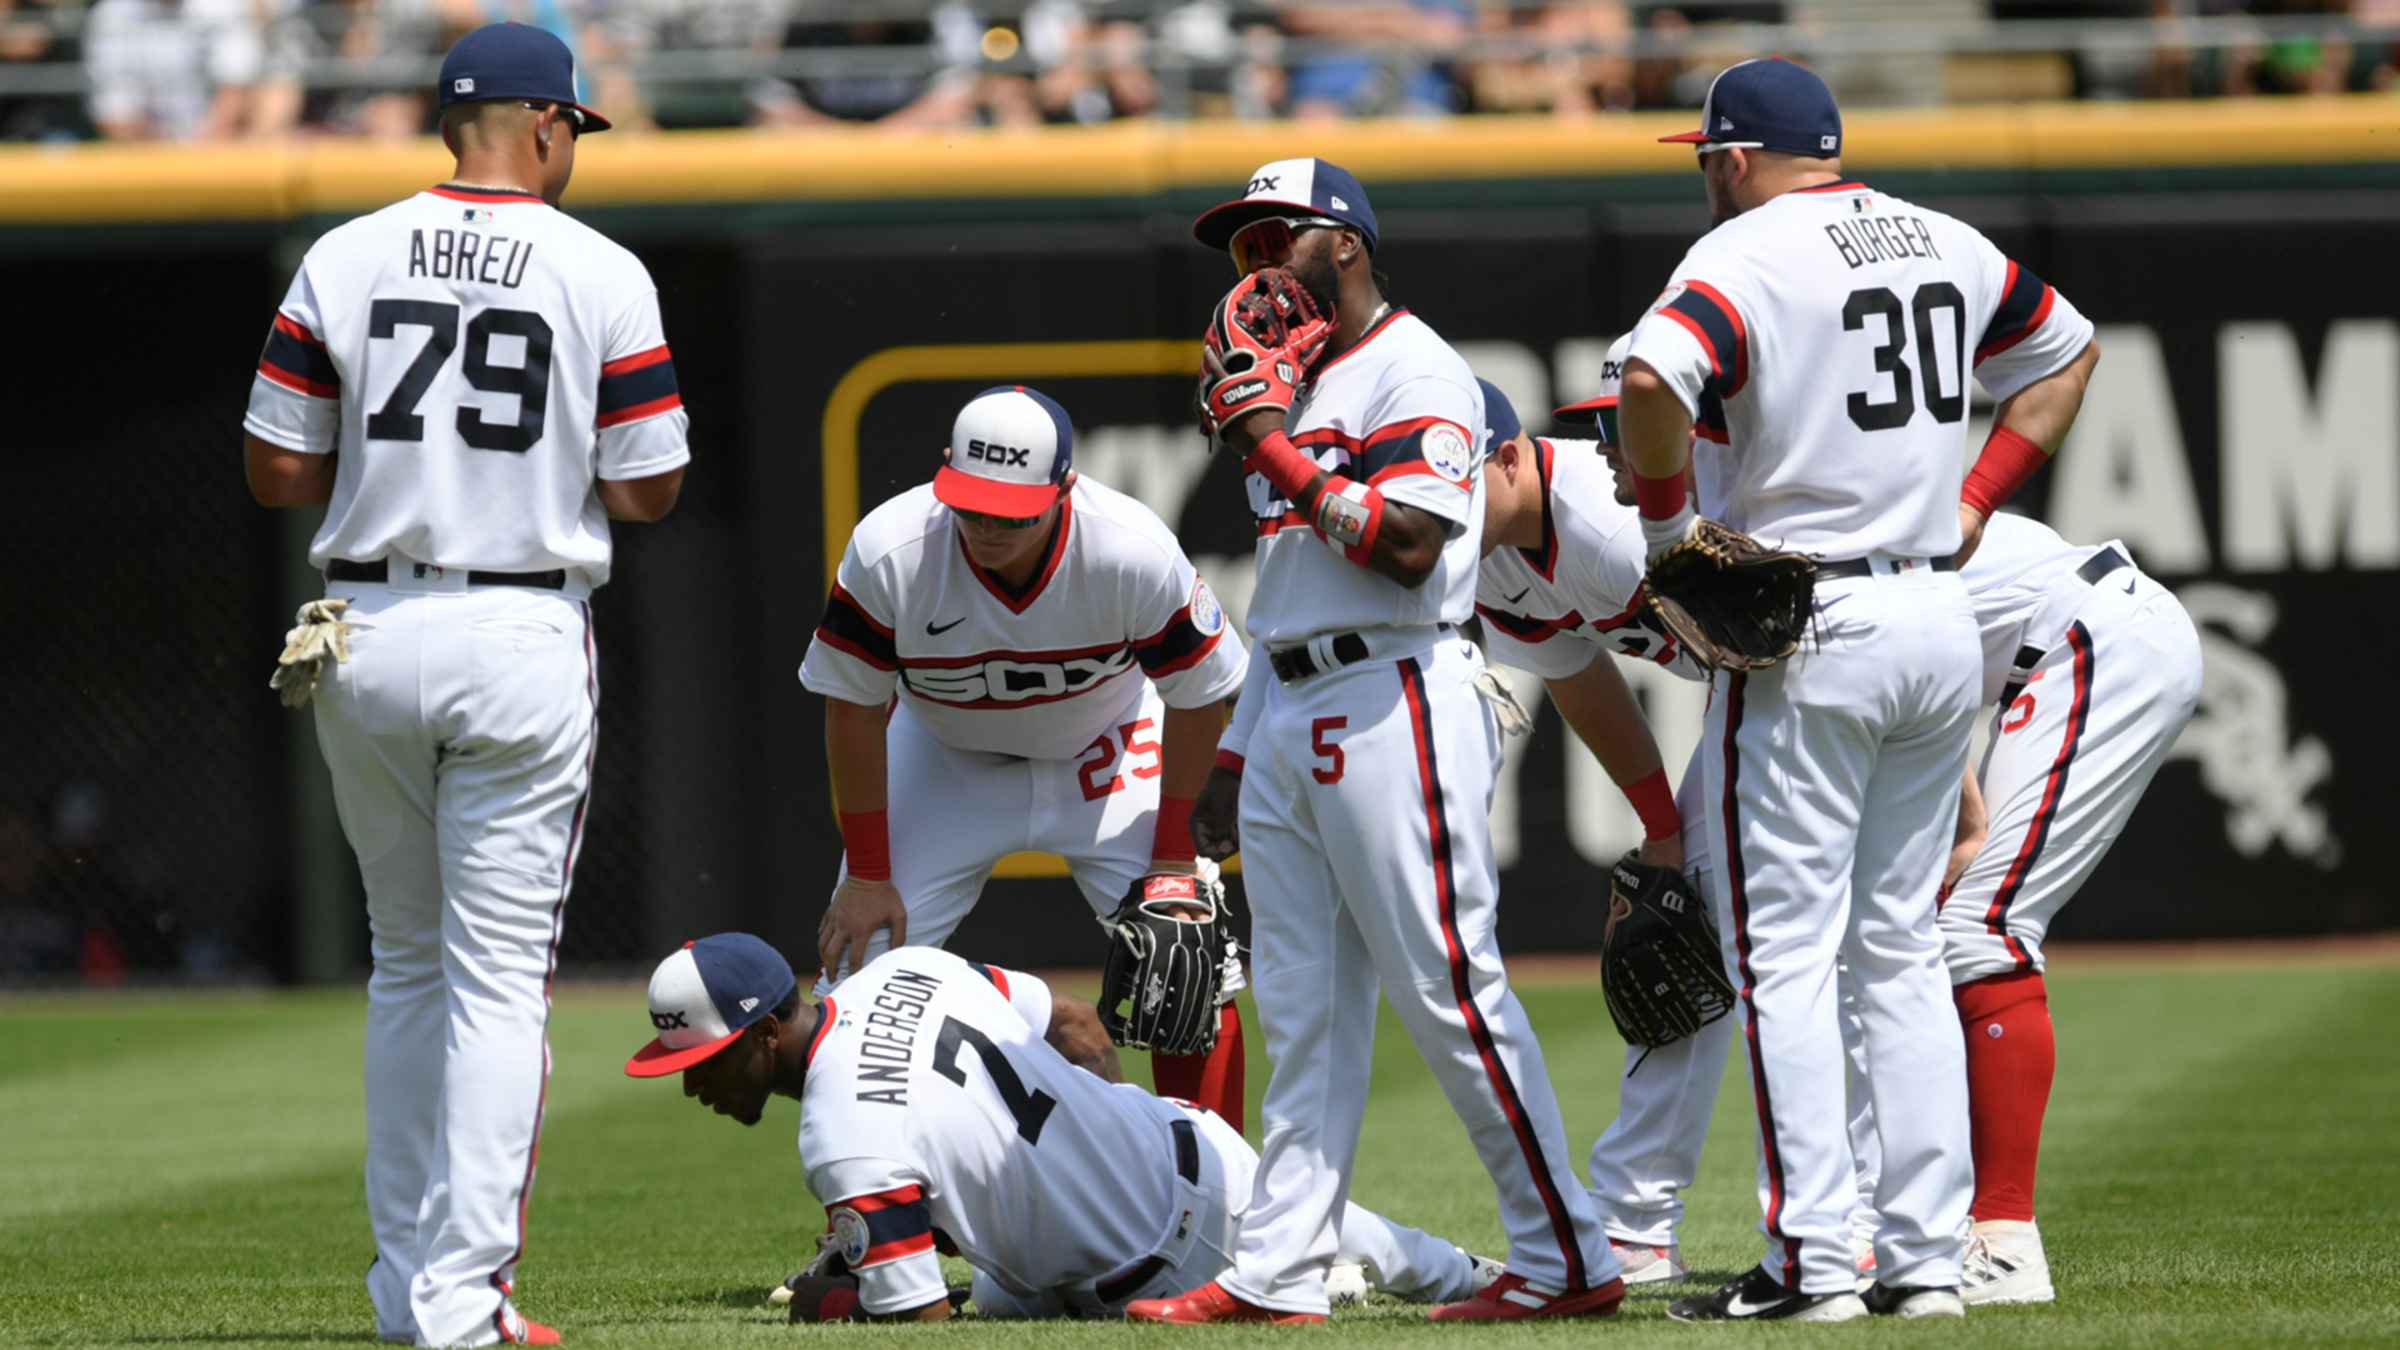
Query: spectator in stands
column 375, row 40
column 1090, row 68
column 877, row 88
column 1555, row 71
column 179, row 70
column 724, row 34
column 32, row 32
column 1407, row 78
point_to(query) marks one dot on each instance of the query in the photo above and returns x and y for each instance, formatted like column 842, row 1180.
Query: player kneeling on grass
column 947, row 1106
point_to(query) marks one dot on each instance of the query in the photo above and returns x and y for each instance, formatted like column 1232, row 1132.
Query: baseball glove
column 1261, row 341
column 1660, row 965
column 320, row 637
column 1167, row 956
column 1731, row 601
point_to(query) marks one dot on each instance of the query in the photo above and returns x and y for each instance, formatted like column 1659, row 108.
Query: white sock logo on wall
column 2241, row 735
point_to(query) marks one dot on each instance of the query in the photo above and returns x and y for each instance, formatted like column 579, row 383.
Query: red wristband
column 2008, row 459
column 1171, row 840
column 868, row 837
column 1660, row 498
column 1285, row 465
column 1230, row 761
column 1654, row 802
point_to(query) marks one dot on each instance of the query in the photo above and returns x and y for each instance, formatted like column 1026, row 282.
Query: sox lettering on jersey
column 999, row 680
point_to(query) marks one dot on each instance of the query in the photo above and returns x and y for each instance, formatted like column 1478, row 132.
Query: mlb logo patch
column 478, row 215
column 464, row 84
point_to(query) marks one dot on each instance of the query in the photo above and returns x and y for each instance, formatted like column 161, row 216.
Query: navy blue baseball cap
column 707, row 993
column 514, row 61
column 1291, row 188
column 1010, row 451
column 1768, row 104
column 1499, row 416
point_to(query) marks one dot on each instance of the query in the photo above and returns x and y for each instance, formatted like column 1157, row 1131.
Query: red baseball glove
column 1261, row 342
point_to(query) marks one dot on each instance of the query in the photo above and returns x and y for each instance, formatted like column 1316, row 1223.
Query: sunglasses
column 573, row 118
column 1607, row 418
column 1268, row 242
column 978, row 518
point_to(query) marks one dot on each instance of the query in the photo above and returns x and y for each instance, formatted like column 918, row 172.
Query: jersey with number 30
column 1824, row 340
column 478, row 358
column 933, row 1102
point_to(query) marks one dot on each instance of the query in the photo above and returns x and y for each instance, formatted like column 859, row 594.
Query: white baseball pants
column 1832, row 786
column 1365, row 846
column 460, row 736
column 956, row 813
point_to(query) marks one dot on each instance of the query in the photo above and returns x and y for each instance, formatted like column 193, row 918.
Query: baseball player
column 477, row 384
column 1026, row 660
column 1826, row 332
column 951, row 1106
column 1362, row 755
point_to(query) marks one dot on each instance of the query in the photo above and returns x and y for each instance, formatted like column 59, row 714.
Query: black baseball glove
column 1659, row 961
column 1730, row 600
column 1160, row 988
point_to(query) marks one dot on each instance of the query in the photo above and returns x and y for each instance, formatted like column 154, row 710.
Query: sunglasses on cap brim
column 990, row 522
column 1268, row 242
column 570, row 114
column 1707, row 148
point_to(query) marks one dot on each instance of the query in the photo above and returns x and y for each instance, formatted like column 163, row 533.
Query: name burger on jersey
column 888, row 1040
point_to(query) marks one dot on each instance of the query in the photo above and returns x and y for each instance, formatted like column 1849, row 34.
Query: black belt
column 1293, row 664
column 342, row 569
column 1118, row 1288
column 1865, row 567
column 2101, row 564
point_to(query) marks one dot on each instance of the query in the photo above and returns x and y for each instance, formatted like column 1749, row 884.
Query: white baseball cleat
column 1346, row 1284
column 1915, row 1300
column 2005, row 1264
column 1645, row 1264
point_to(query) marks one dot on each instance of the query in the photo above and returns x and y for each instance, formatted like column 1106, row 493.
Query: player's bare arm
column 280, row 477
column 1598, row 704
column 1408, row 542
column 2035, row 418
column 1657, row 432
column 866, row 900
column 1076, row 1034
column 641, row 500
column 1974, row 827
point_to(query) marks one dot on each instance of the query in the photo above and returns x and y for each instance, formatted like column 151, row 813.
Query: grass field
column 2223, row 1169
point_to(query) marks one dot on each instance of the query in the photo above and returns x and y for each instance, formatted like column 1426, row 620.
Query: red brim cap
column 1586, row 412
column 592, row 121
column 1217, row 226
column 1685, row 138
column 655, row 1060
column 984, row 496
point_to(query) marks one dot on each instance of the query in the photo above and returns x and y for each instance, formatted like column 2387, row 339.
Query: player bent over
column 476, row 384
column 1364, row 797
column 939, row 1111
column 1018, row 658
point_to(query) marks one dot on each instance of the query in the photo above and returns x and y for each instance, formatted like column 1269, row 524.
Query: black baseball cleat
column 1761, row 1297
column 1915, row 1300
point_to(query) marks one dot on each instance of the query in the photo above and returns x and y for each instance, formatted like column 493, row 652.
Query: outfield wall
column 832, row 299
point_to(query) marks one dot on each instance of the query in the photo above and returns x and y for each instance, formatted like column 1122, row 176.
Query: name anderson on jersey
column 889, row 1038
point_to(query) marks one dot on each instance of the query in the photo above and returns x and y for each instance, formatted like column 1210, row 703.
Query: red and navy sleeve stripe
column 1393, row 451
column 848, row 627
column 296, row 359
column 638, row 386
column 899, row 1224
column 997, row 976
column 1710, row 317
column 1177, row 647
column 1710, row 424
column 2025, row 302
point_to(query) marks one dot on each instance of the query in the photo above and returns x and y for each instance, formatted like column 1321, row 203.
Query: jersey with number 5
column 933, row 1102
column 478, row 358
column 1824, row 341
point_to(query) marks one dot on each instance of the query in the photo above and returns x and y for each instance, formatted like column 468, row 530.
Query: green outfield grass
column 2223, row 1169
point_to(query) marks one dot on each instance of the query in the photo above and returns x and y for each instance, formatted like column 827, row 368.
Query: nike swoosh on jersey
column 1520, row 595
column 932, row 631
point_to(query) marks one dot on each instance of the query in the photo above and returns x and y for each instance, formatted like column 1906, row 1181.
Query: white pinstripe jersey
column 479, row 358
column 1825, row 339
column 1038, row 674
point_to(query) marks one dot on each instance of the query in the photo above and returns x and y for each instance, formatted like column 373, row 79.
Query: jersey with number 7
column 1857, row 318
column 478, row 357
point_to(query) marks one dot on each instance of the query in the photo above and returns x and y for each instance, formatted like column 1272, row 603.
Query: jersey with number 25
column 478, row 358
column 1824, row 340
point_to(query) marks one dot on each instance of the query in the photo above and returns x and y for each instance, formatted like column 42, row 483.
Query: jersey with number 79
column 1824, row 340
column 933, row 1101
column 478, row 358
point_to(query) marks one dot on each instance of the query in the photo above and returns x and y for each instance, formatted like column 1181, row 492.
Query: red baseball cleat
column 1510, row 1297
column 1210, row 1303
column 517, row 1329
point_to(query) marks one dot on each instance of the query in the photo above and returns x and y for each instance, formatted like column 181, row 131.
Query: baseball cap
column 707, row 993
column 514, row 61
column 1768, row 104
column 1500, row 421
column 1600, row 410
column 1010, row 450
column 1291, row 187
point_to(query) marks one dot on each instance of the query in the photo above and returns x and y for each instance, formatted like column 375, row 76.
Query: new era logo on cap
column 1010, row 451
column 704, row 995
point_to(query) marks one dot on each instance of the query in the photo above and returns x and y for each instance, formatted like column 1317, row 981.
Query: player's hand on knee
column 860, row 908
column 1215, row 831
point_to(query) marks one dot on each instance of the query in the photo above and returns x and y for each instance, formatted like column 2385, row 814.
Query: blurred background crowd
column 231, row 69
